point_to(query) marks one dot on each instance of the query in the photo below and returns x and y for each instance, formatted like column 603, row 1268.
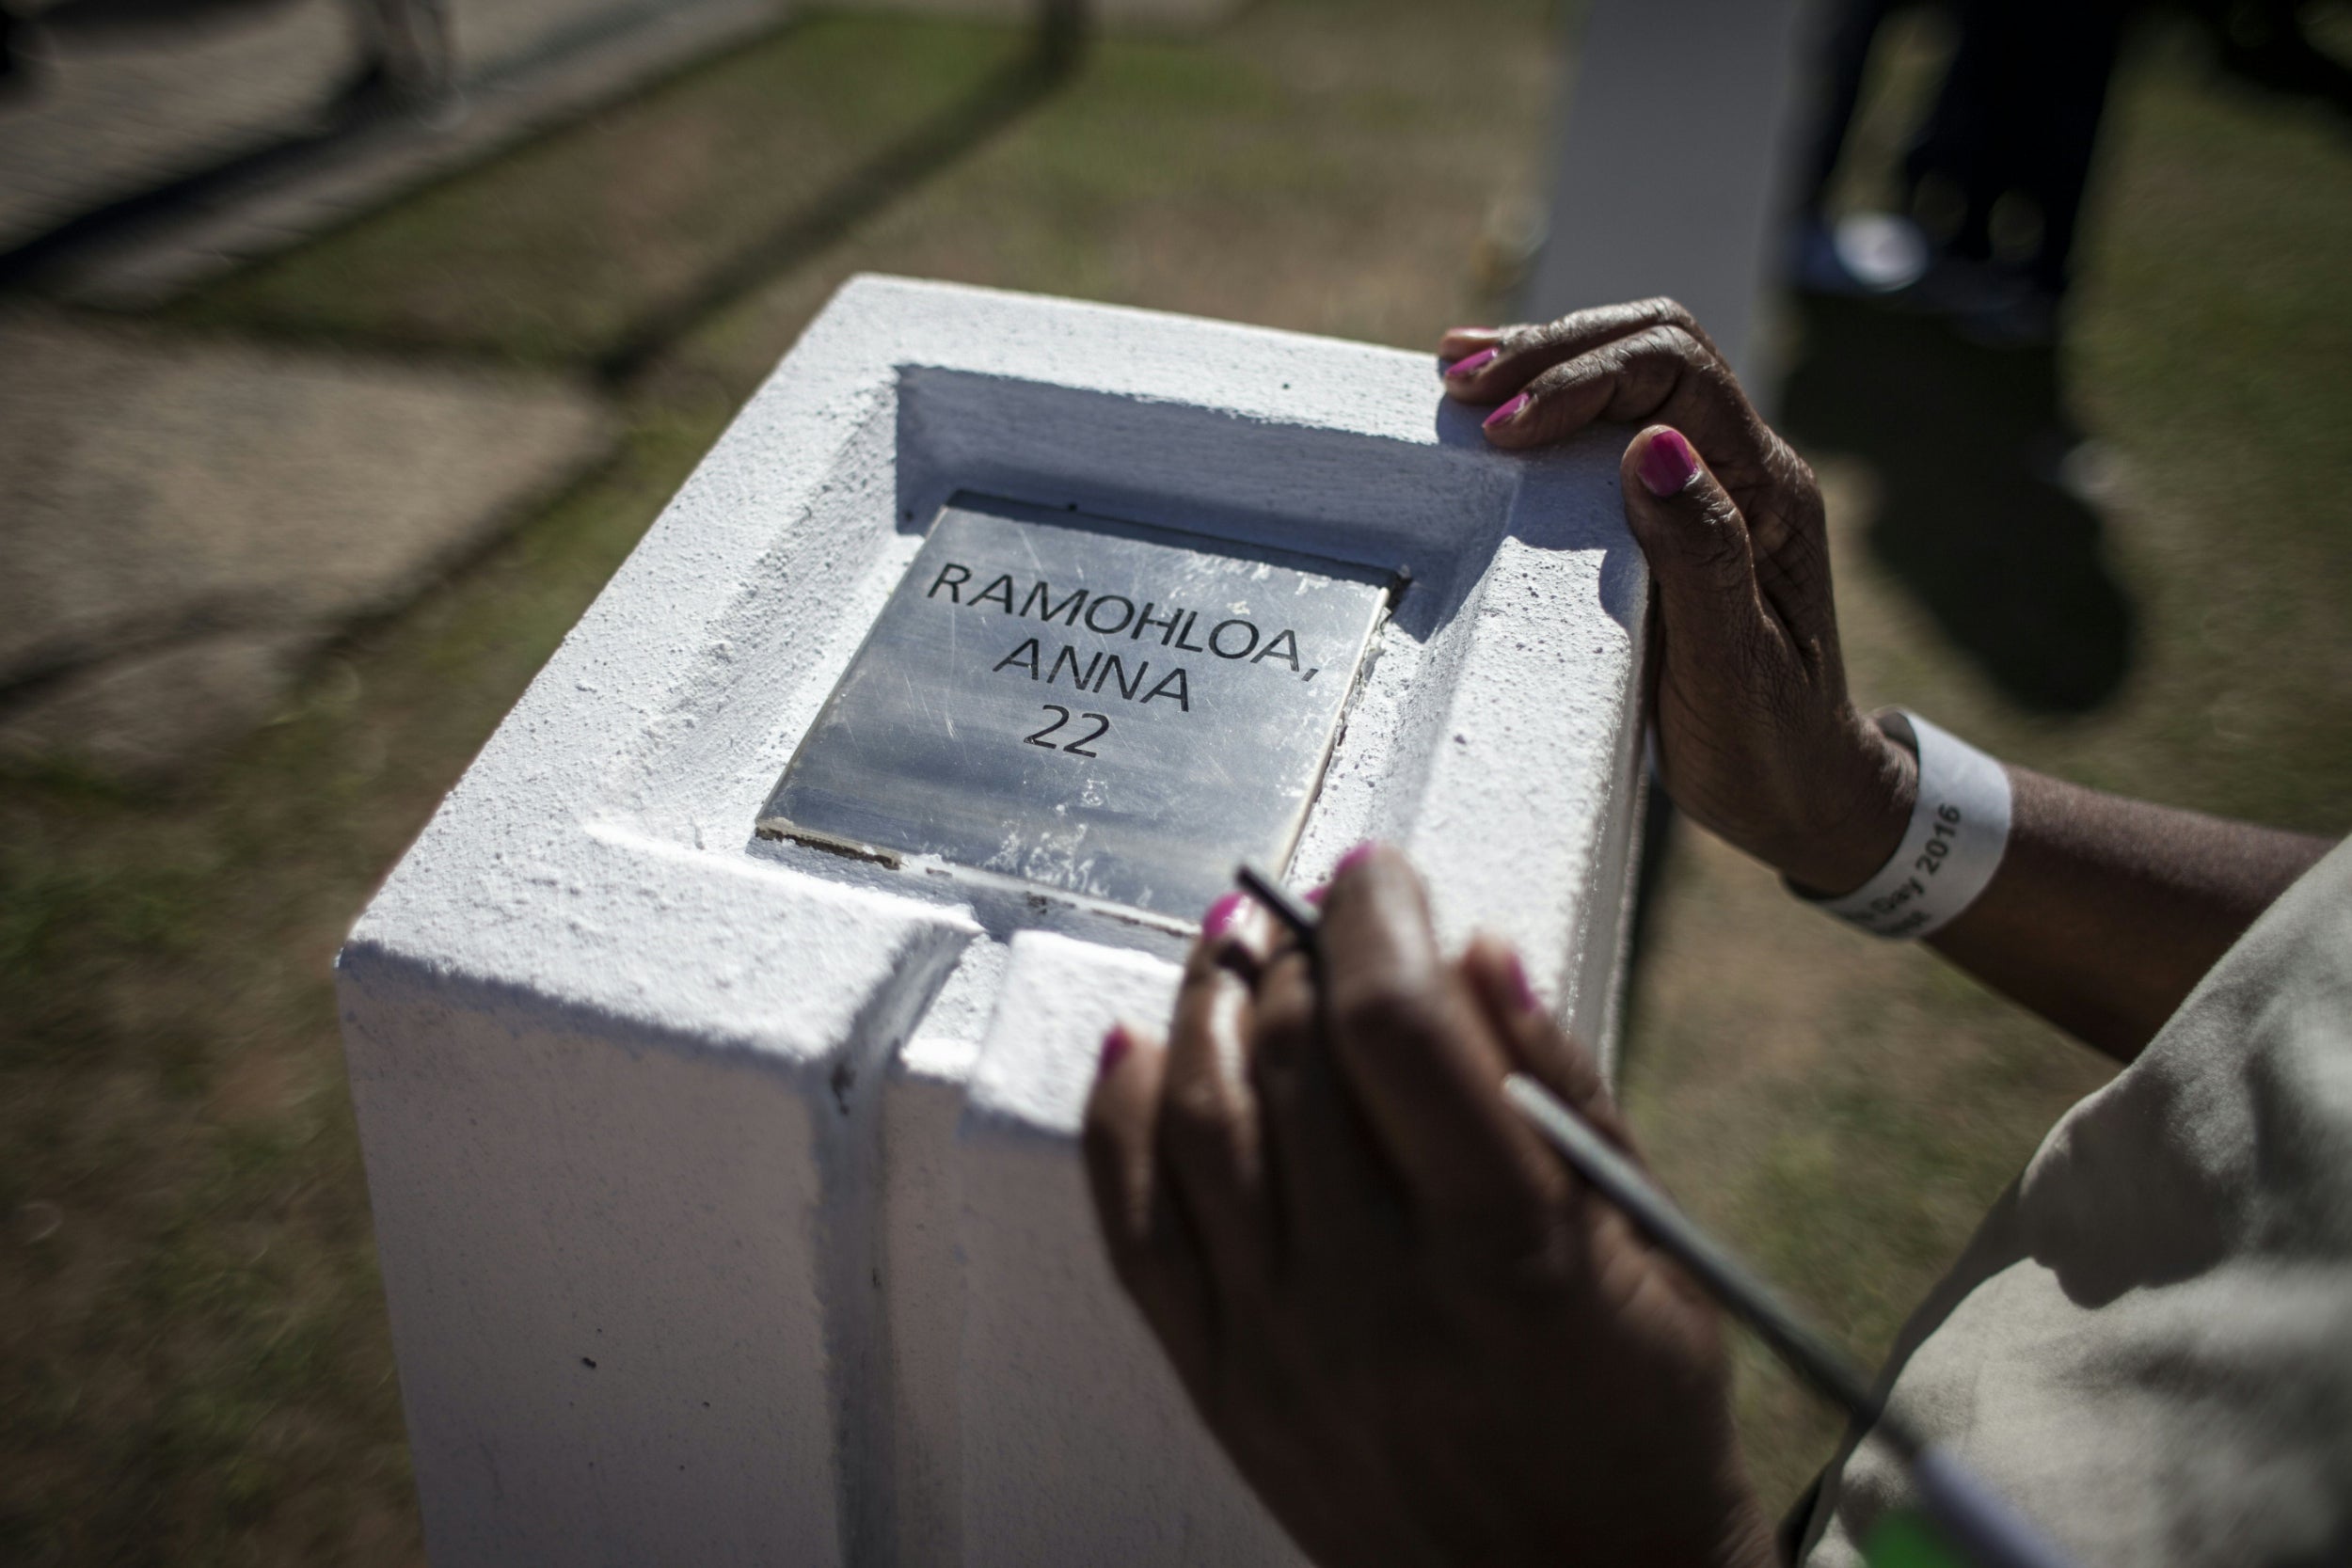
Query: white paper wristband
column 1959, row 831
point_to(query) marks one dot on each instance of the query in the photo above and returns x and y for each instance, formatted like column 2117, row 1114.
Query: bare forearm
column 2106, row 913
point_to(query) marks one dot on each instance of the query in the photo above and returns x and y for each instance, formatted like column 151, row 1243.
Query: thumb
column 1695, row 540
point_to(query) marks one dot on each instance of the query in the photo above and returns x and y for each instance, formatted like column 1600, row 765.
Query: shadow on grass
column 1057, row 43
column 349, row 122
column 1058, row 37
column 1966, row 441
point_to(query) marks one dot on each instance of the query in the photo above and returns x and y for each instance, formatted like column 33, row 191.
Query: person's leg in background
column 1845, row 55
column 2017, row 120
column 1823, row 263
column 1948, row 173
column 2043, row 152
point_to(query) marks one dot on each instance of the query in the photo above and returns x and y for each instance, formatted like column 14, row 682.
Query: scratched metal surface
column 995, row 724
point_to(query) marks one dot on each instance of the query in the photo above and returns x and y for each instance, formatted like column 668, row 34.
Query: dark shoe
column 1862, row 254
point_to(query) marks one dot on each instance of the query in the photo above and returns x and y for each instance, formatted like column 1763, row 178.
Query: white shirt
column 2147, row 1348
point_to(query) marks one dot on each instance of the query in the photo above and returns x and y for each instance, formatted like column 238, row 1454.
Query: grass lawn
column 194, row 1365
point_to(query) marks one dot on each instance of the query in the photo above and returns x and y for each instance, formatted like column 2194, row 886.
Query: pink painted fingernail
column 1354, row 858
column 1505, row 414
column 1318, row 892
column 1470, row 364
column 1522, row 990
column 1667, row 464
column 1471, row 332
column 1221, row 916
column 1116, row 1045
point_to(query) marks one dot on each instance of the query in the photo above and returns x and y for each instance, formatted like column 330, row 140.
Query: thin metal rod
column 1284, row 905
column 1990, row 1531
column 1619, row 1181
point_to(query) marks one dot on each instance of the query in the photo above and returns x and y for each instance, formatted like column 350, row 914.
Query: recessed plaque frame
column 1112, row 710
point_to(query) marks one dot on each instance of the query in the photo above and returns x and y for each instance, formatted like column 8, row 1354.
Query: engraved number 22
column 1078, row 747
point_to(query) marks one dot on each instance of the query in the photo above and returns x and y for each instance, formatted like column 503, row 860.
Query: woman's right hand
column 1416, row 1334
column 1756, row 737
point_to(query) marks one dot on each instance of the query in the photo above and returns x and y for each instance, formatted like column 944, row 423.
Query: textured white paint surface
column 782, row 1142
column 1078, row 1444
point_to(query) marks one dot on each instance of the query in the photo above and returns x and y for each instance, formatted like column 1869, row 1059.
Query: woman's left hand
column 1416, row 1334
column 1757, row 740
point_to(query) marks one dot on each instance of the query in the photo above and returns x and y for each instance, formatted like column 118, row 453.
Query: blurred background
column 347, row 346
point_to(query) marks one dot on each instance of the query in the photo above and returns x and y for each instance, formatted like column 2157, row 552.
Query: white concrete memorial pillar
column 718, row 1049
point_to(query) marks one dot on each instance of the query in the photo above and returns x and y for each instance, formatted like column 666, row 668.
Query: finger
column 1415, row 1051
column 1209, row 1131
column 1554, row 1059
column 1523, row 353
column 1534, row 1039
column 1699, row 552
column 1662, row 373
column 1150, row 1251
column 1460, row 342
column 1337, row 1197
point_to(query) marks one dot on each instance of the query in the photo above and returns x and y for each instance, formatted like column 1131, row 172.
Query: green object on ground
column 1906, row 1540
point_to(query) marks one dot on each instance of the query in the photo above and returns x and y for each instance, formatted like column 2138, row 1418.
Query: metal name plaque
column 1113, row 710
